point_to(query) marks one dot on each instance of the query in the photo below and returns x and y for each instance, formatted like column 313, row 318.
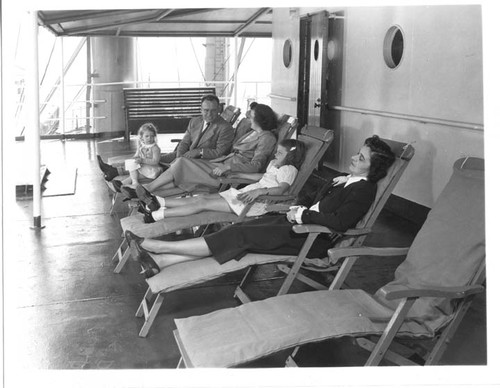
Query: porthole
column 287, row 53
column 393, row 47
column 316, row 50
column 330, row 50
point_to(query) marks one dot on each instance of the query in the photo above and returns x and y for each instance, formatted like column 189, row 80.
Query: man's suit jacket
column 340, row 208
column 216, row 141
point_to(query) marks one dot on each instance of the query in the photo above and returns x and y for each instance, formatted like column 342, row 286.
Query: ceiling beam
column 81, row 15
column 107, row 26
column 250, row 21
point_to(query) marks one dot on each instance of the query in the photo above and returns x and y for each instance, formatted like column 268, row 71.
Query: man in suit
column 208, row 136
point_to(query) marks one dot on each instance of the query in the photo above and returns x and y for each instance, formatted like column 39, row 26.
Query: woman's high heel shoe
column 148, row 265
column 149, row 199
column 129, row 236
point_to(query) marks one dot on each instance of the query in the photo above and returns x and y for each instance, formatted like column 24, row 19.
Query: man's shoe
column 108, row 171
column 149, row 199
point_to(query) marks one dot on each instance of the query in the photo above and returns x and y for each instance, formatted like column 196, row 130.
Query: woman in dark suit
column 250, row 154
column 339, row 205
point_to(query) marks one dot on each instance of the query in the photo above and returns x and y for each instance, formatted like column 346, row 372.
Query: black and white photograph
column 266, row 194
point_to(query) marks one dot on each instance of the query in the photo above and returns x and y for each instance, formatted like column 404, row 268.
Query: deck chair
column 134, row 222
column 243, row 126
column 431, row 292
column 188, row 274
column 230, row 114
column 317, row 141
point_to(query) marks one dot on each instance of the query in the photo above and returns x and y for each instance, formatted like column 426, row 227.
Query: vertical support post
column 33, row 121
column 88, row 92
column 236, row 65
column 62, row 114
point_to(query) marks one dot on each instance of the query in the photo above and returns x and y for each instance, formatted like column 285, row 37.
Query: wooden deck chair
column 187, row 274
column 317, row 141
column 430, row 294
column 353, row 237
column 230, row 114
column 243, row 126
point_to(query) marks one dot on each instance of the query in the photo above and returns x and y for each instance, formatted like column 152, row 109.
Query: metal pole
column 62, row 114
column 33, row 122
column 236, row 65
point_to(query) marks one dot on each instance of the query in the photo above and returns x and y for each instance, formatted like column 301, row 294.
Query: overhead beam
column 82, row 15
column 250, row 21
column 108, row 26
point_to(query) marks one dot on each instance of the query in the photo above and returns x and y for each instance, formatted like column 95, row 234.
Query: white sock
column 158, row 214
column 161, row 200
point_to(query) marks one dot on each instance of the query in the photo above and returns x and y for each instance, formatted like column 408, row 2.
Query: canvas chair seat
column 261, row 328
column 429, row 296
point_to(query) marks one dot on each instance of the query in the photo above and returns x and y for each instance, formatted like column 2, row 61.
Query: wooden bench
column 170, row 109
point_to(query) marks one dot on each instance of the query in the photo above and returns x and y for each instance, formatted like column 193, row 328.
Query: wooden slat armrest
column 357, row 232
column 439, row 292
column 278, row 207
column 312, row 228
column 275, row 198
column 338, row 253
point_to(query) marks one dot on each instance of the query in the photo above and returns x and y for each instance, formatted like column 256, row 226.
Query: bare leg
column 167, row 259
column 134, row 176
column 165, row 178
column 216, row 204
column 194, row 247
column 185, row 201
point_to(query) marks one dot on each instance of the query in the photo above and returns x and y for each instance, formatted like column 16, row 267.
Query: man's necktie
column 203, row 129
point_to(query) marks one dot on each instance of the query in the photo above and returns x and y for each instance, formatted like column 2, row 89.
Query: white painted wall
column 439, row 77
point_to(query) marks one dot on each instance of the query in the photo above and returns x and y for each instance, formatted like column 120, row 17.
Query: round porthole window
column 316, row 50
column 287, row 53
column 393, row 47
column 330, row 50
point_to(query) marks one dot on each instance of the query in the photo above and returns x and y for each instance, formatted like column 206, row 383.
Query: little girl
column 147, row 157
column 279, row 176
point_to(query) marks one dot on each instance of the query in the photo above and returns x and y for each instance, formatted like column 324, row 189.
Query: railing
column 75, row 109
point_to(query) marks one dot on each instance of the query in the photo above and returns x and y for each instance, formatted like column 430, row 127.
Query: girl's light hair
column 147, row 127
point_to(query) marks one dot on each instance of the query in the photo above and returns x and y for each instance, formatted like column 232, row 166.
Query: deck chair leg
column 122, row 254
column 297, row 264
column 389, row 355
column 147, row 298
column 290, row 362
column 445, row 338
column 113, row 203
column 239, row 293
column 390, row 331
column 343, row 272
column 302, row 278
column 185, row 360
column 149, row 314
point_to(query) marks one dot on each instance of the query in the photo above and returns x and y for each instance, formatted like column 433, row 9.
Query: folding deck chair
column 230, row 114
column 184, row 275
column 430, row 294
column 317, row 141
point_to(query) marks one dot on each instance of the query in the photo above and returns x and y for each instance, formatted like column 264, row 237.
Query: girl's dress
column 272, row 178
column 146, row 151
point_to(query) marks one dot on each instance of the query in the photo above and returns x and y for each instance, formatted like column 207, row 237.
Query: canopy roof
column 184, row 22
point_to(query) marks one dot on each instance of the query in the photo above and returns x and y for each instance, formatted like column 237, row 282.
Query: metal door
column 317, row 68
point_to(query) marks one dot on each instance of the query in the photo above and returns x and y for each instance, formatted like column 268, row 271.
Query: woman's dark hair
column 296, row 152
column 265, row 117
column 210, row 97
column 252, row 105
column 381, row 158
